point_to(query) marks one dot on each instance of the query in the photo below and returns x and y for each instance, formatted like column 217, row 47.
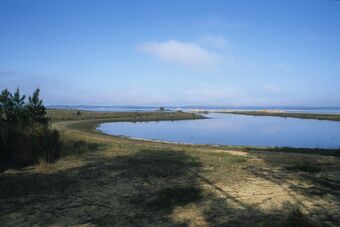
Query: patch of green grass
column 76, row 147
column 304, row 167
column 220, row 158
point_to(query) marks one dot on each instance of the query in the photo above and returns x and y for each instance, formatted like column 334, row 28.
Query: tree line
column 25, row 137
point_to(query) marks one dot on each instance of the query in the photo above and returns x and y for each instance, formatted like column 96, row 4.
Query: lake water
column 230, row 129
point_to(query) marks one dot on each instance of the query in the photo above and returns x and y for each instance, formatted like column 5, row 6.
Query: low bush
column 25, row 137
column 305, row 167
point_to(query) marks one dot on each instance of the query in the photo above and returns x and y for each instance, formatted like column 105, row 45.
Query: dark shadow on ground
column 137, row 189
column 311, row 176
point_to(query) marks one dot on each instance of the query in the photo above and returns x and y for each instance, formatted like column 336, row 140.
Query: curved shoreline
column 90, row 127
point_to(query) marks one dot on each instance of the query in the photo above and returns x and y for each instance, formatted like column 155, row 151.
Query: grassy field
column 63, row 115
column 107, row 180
column 329, row 117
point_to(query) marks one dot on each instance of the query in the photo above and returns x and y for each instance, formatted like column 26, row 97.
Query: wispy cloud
column 215, row 42
column 186, row 54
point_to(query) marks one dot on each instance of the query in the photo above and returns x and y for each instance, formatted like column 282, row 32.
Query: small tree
column 36, row 110
column 18, row 102
column 6, row 105
column 17, row 99
column 161, row 108
column 1, row 107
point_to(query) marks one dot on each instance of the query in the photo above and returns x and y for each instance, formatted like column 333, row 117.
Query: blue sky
column 173, row 52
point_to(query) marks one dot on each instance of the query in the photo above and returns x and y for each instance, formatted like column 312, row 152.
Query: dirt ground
column 124, row 182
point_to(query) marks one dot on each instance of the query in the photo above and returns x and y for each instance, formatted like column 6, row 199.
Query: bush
column 24, row 134
column 305, row 167
column 77, row 147
column 21, row 147
column 50, row 145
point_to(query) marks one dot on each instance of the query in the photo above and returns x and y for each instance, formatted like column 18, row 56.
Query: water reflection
column 235, row 130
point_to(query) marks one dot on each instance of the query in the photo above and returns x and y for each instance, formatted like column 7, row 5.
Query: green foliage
column 305, row 167
column 76, row 147
column 24, row 134
column 6, row 105
column 36, row 111
column 18, row 111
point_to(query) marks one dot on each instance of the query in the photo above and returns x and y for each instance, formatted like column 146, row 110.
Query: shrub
column 24, row 134
column 305, row 167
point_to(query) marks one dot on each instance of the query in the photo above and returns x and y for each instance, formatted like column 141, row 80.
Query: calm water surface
column 229, row 129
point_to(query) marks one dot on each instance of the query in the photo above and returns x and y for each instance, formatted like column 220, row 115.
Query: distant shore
column 104, row 116
column 280, row 113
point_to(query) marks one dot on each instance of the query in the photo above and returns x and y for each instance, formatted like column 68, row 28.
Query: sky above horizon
column 255, row 52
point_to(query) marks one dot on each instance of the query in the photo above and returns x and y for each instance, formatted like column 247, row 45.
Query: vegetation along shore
column 316, row 116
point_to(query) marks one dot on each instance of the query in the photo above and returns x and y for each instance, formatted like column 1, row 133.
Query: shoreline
column 91, row 125
column 275, row 113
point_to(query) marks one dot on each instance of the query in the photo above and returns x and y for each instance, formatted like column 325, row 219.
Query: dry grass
column 126, row 182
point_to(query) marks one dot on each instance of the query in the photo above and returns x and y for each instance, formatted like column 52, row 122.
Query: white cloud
column 215, row 42
column 182, row 53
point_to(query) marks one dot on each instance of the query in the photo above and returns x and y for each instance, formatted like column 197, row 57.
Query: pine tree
column 17, row 112
column 18, row 101
column 24, row 133
column 6, row 105
column 36, row 110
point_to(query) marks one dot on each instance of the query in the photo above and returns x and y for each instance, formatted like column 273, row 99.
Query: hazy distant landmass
column 207, row 107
